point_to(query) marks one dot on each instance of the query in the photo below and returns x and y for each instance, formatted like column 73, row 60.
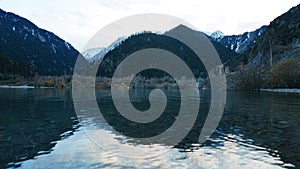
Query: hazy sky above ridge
column 76, row 21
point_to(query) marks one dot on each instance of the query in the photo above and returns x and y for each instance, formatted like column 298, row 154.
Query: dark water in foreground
column 39, row 129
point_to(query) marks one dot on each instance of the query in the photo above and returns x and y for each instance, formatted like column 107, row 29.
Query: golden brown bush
column 286, row 74
column 60, row 85
column 49, row 83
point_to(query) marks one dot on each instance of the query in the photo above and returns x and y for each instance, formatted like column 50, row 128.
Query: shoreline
column 281, row 90
column 16, row 87
column 23, row 87
column 278, row 90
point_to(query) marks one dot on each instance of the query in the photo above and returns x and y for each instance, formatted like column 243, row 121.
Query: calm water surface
column 39, row 129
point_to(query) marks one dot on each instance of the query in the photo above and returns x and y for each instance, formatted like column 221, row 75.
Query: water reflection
column 31, row 120
column 270, row 120
column 258, row 130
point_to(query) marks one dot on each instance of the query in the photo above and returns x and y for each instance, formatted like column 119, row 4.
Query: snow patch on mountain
column 53, row 48
column 66, row 44
column 95, row 54
column 42, row 39
column 238, row 43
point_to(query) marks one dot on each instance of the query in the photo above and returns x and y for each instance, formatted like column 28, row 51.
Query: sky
column 76, row 21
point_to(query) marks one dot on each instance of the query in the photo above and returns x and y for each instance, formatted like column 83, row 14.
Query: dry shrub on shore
column 286, row 74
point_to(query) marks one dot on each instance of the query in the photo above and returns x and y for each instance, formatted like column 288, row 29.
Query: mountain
column 148, row 40
column 90, row 53
column 104, row 50
column 280, row 40
column 43, row 51
column 217, row 35
column 274, row 60
column 238, row 43
column 10, row 68
column 116, row 53
column 226, row 54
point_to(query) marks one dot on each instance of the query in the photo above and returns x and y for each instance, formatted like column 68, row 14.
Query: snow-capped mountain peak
column 238, row 43
column 90, row 53
column 217, row 35
column 95, row 54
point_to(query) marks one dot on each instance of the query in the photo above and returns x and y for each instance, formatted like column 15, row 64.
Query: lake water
column 39, row 129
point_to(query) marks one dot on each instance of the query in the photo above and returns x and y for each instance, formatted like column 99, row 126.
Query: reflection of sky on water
column 257, row 130
column 78, row 151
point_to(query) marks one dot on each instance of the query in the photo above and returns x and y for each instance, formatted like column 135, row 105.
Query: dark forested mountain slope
column 150, row 40
column 43, row 51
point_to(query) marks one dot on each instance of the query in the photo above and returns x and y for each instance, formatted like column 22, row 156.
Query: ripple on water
column 251, row 134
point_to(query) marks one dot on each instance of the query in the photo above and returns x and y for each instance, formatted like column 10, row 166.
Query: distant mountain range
column 238, row 43
column 41, row 50
column 27, row 49
column 90, row 53
column 114, row 54
column 102, row 51
column 229, row 48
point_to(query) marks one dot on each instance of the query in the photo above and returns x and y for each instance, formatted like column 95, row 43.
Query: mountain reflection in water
column 39, row 129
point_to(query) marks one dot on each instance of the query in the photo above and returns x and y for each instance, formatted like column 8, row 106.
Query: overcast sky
column 76, row 21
